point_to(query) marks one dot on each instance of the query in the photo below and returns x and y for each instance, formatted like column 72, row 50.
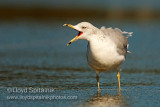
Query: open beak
column 75, row 38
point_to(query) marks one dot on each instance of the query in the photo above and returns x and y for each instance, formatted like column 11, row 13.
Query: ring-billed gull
column 107, row 47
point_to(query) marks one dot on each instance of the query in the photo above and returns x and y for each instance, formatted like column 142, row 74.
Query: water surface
column 34, row 54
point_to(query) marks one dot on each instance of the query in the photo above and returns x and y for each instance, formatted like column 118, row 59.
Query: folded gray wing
column 119, row 38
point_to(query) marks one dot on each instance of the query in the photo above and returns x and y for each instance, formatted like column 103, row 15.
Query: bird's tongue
column 80, row 33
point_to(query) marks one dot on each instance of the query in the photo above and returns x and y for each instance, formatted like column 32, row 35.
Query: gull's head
column 85, row 31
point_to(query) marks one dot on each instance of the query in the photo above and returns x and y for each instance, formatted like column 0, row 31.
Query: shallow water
column 34, row 54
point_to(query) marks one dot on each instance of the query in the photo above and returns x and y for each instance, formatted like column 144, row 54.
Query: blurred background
column 34, row 28
column 138, row 10
column 33, row 49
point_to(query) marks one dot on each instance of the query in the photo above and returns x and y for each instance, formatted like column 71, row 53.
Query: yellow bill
column 76, row 38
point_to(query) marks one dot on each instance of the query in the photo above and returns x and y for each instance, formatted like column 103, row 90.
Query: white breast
column 103, row 56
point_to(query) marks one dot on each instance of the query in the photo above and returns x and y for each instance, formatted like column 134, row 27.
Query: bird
column 107, row 47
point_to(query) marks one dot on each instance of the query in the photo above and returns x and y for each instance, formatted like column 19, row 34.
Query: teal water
column 34, row 54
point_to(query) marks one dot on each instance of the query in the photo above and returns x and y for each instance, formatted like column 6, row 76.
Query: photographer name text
column 23, row 90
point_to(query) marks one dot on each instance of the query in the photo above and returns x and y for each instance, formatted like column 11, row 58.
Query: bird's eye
column 83, row 27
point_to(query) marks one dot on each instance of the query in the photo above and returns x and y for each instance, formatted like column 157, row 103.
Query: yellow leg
column 118, row 76
column 97, row 77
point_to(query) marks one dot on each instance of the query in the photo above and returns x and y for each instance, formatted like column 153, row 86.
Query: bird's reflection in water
column 106, row 100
